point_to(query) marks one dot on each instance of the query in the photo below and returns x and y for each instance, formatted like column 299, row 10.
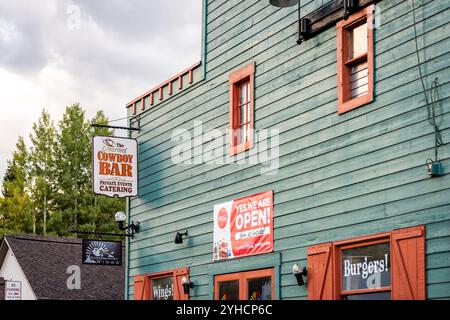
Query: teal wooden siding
column 339, row 176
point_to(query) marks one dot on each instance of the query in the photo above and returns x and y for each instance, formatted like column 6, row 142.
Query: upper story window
column 241, row 109
column 355, row 60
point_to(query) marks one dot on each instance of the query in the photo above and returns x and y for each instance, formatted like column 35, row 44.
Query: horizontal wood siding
column 339, row 176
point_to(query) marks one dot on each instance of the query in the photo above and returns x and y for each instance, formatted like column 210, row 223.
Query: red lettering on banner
column 252, row 224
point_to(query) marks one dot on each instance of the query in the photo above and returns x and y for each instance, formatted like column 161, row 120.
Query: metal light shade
column 283, row 3
column 300, row 281
column 303, row 30
column 179, row 237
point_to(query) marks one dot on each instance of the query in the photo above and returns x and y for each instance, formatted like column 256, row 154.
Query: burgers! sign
column 243, row 227
column 115, row 166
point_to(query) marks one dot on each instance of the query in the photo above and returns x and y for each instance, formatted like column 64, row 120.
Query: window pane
column 358, row 41
column 260, row 289
column 243, row 93
column 370, row 296
column 162, row 289
column 242, row 134
column 366, row 267
column 359, row 80
column 229, row 290
column 243, row 114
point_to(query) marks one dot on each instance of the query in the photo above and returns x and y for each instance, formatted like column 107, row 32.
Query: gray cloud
column 119, row 50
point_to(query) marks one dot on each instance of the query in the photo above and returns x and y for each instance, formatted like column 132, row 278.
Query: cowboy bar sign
column 114, row 166
column 243, row 227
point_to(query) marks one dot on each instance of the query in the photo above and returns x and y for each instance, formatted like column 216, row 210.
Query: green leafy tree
column 42, row 163
column 72, row 163
column 48, row 188
column 16, row 205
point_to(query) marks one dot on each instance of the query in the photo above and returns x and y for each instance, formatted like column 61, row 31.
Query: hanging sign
column 115, row 170
column 13, row 290
column 102, row 252
column 243, row 227
column 366, row 267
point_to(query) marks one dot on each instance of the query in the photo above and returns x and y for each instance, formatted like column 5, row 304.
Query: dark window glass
column 229, row 290
column 260, row 289
column 162, row 288
column 366, row 267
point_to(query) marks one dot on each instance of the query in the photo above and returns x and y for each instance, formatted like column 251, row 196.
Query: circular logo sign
column 222, row 218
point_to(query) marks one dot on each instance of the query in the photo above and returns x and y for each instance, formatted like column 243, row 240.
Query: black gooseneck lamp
column 303, row 23
column 179, row 237
column 299, row 273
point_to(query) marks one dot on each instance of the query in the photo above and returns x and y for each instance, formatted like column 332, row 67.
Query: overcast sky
column 100, row 53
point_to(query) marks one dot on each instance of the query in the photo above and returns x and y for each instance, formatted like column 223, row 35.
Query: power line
column 434, row 98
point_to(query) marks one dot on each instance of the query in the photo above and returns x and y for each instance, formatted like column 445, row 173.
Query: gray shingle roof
column 44, row 261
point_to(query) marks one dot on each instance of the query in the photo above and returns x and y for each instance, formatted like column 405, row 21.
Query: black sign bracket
column 102, row 233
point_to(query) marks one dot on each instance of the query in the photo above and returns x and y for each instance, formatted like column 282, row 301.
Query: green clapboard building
column 306, row 156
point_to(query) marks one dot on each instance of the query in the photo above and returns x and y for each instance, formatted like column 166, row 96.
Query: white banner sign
column 13, row 290
column 115, row 166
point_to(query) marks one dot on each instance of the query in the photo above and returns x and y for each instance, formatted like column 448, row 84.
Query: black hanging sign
column 102, row 252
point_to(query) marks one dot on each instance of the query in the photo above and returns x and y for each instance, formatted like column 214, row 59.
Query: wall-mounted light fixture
column 324, row 17
column 303, row 23
column 179, row 237
column 349, row 7
column 131, row 229
column 187, row 285
column 299, row 273
column 303, row 29
column 434, row 168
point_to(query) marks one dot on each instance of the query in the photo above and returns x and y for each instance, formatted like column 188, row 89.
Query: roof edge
column 187, row 73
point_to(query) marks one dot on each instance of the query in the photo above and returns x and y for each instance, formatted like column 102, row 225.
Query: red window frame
column 344, row 64
column 143, row 284
column 350, row 244
column 242, row 277
column 407, row 265
column 236, row 80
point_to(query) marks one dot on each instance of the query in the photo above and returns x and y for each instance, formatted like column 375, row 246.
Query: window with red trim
column 249, row 285
column 355, row 60
column 164, row 285
column 364, row 272
column 383, row 266
column 241, row 109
